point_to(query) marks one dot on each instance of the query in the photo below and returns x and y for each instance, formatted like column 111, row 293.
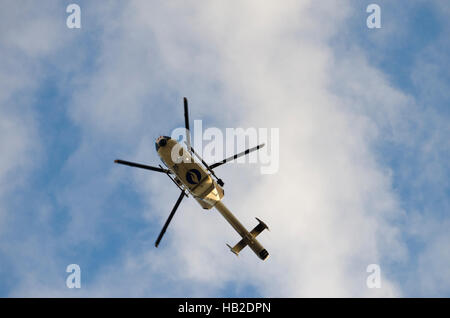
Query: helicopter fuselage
column 190, row 175
column 195, row 179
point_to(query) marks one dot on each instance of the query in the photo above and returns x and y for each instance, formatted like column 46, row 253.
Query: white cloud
column 331, row 207
column 28, row 32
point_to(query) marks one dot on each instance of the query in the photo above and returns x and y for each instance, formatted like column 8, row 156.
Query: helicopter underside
column 190, row 175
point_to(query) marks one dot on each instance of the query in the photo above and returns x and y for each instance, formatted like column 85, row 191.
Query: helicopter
column 198, row 179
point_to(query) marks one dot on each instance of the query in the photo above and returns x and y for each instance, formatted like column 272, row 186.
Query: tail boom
column 248, row 238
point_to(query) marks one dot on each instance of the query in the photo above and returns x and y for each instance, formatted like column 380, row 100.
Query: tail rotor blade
column 160, row 236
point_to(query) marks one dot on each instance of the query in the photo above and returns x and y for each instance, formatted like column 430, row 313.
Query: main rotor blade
column 186, row 124
column 182, row 194
column 138, row 165
column 246, row 152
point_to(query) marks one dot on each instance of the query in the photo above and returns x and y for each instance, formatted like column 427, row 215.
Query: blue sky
column 363, row 117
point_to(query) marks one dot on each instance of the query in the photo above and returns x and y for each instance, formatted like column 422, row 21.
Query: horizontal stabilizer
column 238, row 247
column 259, row 228
column 245, row 241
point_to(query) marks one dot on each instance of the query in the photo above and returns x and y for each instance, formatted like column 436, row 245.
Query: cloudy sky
column 363, row 119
